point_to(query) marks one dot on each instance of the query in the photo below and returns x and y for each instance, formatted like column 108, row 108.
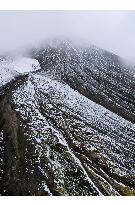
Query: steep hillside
column 59, row 142
column 99, row 75
column 67, row 127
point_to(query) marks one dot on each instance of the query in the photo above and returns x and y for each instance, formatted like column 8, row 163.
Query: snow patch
column 24, row 65
column 10, row 68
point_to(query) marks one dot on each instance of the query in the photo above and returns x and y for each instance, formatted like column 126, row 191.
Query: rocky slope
column 99, row 75
column 68, row 128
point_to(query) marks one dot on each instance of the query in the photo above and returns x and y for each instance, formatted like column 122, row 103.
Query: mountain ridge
column 55, row 139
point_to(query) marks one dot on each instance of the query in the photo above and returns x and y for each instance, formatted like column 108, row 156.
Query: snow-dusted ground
column 112, row 135
column 6, row 71
column 25, row 65
column 11, row 67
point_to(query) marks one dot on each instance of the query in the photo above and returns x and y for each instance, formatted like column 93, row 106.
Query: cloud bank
column 111, row 30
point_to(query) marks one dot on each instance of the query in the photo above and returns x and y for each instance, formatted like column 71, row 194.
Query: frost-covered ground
column 99, row 75
column 69, row 145
column 11, row 67
column 25, row 65
column 58, row 114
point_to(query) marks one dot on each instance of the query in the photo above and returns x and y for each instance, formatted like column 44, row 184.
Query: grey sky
column 112, row 30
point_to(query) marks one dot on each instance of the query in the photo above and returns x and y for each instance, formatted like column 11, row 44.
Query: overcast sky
column 112, row 30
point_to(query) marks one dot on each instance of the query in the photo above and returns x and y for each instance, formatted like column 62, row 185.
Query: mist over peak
column 110, row 30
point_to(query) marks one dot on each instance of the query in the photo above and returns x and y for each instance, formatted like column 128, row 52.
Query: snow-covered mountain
column 67, row 124
column 99, row 75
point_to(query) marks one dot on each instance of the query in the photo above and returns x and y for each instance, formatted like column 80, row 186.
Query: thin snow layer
column 113, row 135
column 6, row 71
column 6, row 76
column 25, row 65
column 11, row 67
